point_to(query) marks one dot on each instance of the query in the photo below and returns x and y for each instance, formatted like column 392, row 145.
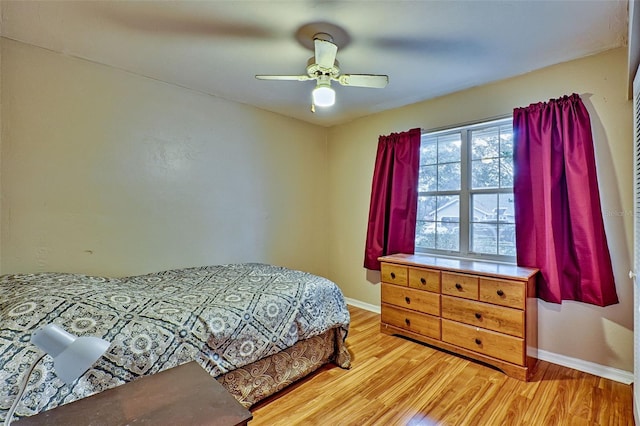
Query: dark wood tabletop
column 184, row 395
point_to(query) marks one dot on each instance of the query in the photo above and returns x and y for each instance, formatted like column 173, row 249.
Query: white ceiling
column 428, row 48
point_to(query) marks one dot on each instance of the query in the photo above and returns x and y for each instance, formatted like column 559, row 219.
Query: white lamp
column 72, row 355
column 323, row 94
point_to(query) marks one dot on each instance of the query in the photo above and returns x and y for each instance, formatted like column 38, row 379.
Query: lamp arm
column 23, row 386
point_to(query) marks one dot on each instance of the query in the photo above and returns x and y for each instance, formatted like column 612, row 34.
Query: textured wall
column 106, row 172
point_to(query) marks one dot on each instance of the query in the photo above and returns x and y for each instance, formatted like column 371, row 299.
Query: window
column 465, row 192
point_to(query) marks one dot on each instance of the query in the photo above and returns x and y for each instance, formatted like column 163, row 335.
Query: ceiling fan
column 324, row 68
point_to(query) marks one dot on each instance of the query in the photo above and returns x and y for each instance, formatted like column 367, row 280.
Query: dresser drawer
column 496, row 345
column 460, row 285
column 415, row 322
column 416, row 300
column 503, row 292
column 503, row 320
column 424, row 279
column 395, row 274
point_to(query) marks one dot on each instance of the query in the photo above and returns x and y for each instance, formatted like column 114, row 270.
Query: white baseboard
column 607, row 372
column 610, row 373
column 363, row 305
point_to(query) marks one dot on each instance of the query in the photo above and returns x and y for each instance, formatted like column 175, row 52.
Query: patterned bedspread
column 224, row 316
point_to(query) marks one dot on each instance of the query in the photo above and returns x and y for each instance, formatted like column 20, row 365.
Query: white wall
column 106, row 172
column 600, row 335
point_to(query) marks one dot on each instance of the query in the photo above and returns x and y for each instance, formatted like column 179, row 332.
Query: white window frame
column 466, row 192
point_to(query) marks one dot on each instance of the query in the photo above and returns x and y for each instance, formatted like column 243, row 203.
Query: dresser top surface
column 495, row 269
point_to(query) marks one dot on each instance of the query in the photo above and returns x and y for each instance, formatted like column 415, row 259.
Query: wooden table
column 184, row 395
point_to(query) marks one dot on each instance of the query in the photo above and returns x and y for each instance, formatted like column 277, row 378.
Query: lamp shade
column 72, row 355
column 323, row 95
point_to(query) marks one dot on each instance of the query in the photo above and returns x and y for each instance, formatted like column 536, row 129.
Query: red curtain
column 394, row 197
column 559, row 227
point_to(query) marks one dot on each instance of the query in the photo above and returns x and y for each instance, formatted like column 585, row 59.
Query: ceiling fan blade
column 171, row 18
column 364, row 80
column 325, row 53
column 284, row 77
column 443, row 46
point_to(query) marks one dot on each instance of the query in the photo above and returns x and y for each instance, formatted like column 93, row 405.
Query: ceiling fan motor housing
column 323, row 37
column 314, row 70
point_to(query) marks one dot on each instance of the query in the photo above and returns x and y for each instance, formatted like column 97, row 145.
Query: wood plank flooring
column 394, row 381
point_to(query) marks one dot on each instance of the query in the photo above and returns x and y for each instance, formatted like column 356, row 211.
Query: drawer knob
column 500, row 293
column 406, row 299
column 423, row 281
column 406, row 320
column 478, row 315
column 459, row 286
column 393, row 275
column 478, row 341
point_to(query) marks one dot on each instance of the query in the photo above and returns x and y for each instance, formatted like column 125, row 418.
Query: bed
column 255, row 327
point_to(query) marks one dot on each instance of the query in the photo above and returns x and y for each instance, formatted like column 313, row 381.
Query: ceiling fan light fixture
column 323, row 95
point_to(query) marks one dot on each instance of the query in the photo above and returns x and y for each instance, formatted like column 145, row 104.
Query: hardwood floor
column 394, row 381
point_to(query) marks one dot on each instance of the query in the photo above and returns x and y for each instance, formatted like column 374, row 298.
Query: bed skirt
column 254, row 382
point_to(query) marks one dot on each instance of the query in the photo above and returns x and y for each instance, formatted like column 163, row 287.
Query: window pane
column 427, row 178
column 483, row 207
column 449, row 177
column 493, row 229
column 485, row 173
column 506, row 239
column 484, row 226
column 428, row 151
column 425, row 224
column 448, row 208
column 506, row 172
column 506, row 141
column 485, row 143
column 448, row 223
column 506, row 208
column 449, row 148
column 427, row 208
column 425, row 235
column 484, row 238
column 438, row 224
column 448, row 238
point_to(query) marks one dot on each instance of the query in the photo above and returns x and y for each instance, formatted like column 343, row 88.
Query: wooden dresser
column 482, row 310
